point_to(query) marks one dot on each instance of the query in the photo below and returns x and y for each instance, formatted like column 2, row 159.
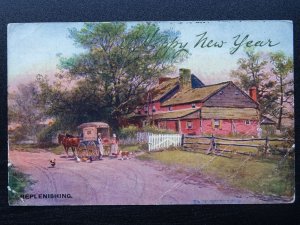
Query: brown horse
column 68, row 142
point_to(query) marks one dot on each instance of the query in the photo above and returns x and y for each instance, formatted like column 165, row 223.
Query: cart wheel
column 82, row 150
column 92, row 150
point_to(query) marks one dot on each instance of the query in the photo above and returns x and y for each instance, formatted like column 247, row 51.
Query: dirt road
column 117, row 182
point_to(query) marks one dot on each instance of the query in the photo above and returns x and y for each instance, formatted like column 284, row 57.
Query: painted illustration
column 151, row 113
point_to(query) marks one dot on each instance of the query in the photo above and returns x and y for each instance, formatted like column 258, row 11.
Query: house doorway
column 177, row 126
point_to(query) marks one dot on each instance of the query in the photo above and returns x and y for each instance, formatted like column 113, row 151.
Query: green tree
column 24, row 108
column 282, row 68
column 252, row 71
column 113, row 74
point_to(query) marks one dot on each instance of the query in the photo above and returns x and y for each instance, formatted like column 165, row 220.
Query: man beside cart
column 100, row 146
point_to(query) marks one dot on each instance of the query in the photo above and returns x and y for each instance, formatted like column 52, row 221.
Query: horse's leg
column 73, row 150
column 66, row 150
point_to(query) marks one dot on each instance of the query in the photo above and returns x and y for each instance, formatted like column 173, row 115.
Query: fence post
column 149, row 142
column 182, row 140
column 267, row 145
column 212, row 146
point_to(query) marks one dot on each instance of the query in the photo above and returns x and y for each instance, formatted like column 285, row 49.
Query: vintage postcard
column 151, row 113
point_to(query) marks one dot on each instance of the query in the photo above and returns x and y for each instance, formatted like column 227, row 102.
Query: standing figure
column 100, row 146
column 114, row 146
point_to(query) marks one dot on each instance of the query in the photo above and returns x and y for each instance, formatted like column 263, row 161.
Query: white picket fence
column 160, row 141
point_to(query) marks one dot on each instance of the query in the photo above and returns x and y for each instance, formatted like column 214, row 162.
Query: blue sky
column 33, row 48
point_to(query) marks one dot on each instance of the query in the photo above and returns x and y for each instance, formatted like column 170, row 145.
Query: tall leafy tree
column 118, row 65
column 252, row 71
column 282, row 68
column 23, row 107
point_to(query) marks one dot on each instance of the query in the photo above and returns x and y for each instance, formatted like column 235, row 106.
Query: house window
column 247, row 122
column 193, row 105
column 189, row 125
column 153, row 108
column 236, row 93
column 170, row 108
column 217, row 124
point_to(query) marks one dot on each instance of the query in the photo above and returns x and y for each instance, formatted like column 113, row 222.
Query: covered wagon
column 89, row 133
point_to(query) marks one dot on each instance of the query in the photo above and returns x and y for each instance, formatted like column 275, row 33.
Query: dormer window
column 170, row 108
column 193, row 105
column 236, row 93
column 221, row 92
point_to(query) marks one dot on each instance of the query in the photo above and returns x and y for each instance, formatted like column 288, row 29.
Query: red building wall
column 168, row 124
column 226, row 127
column 195, row 130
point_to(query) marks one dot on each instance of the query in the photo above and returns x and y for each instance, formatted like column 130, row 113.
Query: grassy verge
column 54, row 148
column 132, row 148
column 259, row 176
column 17, row 182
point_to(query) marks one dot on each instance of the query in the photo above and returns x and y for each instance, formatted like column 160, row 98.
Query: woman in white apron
column 114, row 146
column 100, row 146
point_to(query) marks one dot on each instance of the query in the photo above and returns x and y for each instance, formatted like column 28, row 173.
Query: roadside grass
column 18, row 182
column 54, row 148
column 58, row 150
column 258, row 176
column 132, row 148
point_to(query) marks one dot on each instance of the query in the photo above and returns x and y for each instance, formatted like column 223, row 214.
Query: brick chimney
column 253, row 93
column 184, row 77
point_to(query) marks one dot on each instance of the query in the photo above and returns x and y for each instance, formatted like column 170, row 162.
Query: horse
column 68, row 141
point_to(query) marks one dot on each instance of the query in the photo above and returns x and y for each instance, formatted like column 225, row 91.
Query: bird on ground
column 52, row 162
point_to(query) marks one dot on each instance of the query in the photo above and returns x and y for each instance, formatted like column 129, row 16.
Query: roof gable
column 230, row 96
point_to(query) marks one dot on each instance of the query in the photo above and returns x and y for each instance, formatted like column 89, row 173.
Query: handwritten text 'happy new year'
column 238, row 42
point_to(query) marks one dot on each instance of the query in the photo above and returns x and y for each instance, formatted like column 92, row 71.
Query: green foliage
column 17, row 181
column 155, row 130
column 111, row 77
column 45, row 136
column 269, row 73
column 24, row 107
column 282, row 67
column 128, row 132
column 18, row 135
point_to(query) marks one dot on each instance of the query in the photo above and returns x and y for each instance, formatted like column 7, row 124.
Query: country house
column 186, row 105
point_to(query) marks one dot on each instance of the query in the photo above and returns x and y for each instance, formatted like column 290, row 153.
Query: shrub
column 156, row 130
column 45, row 135
column 128, row 132
column 17, row 182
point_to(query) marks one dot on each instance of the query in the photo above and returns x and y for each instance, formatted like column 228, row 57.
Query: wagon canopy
column 94, row 124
